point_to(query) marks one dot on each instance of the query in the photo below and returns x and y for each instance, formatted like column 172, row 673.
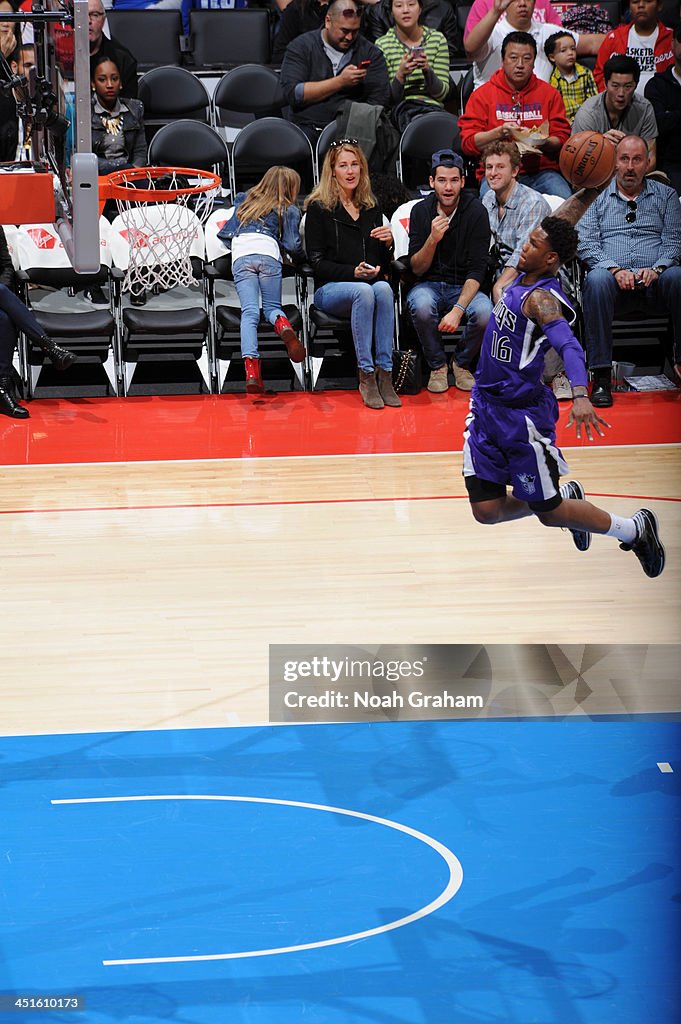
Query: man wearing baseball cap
column 449, row 239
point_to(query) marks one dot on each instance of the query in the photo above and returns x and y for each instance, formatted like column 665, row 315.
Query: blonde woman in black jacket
column 349, row 249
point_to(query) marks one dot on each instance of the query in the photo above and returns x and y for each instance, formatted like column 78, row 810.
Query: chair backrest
column 39, row 247
column 424, row 136
column 324, row 141
column 249, row 89
column 554, row 201
column 467, row 85
column 12, row 238
column 146, row 227
column 215, row 247
column 224, row 38
column 259, row 144
column 399, row 225
column 191, row 141
column 170, row 93
column 153, row 37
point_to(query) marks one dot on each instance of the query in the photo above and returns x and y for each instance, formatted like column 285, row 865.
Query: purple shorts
column 515, row 447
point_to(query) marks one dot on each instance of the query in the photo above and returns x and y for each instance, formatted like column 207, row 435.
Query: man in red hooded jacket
column 513, row 99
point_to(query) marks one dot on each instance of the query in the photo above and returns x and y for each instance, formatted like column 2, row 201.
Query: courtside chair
column 420, row 139
column 173, row 326
column 244, row 94
column 68, row 318
column 461, row 62
column 172, row 94
column 267, row 141
column 638, row 336
column 324, row 140
column 467, row 85
column 192, row 141
column 154, row 37
column 226, row 38
column 225, row 311
column 399, row 225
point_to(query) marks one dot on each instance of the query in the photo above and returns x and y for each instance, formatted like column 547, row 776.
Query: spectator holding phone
column 324, row 68
column 439, row 14
column 349, row 247
column 417, row 59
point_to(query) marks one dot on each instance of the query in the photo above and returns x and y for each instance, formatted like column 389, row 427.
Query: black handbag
column 407, row 375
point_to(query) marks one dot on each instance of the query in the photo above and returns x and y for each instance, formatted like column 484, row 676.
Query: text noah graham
column 369, row 701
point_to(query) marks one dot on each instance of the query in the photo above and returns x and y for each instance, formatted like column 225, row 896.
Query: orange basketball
column 587, row 160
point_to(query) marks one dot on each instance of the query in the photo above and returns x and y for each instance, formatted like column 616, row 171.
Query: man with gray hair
column 102, row 44
column 630, row 241
column 323, row 68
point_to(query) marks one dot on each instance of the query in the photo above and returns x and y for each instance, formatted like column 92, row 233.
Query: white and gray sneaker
column 573, row 489
column 647, row 547
column 562, row 388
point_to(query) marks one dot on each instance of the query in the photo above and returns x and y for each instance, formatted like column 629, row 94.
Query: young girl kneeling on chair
column 265, row 221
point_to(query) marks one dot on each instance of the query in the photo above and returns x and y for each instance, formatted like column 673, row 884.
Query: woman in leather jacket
column 118, row 136
column 349, row 249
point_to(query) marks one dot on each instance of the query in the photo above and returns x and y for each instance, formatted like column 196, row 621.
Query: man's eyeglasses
column 343, row 142
column 631, row 216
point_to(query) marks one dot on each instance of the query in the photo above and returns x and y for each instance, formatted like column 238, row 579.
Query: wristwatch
column 659, row 270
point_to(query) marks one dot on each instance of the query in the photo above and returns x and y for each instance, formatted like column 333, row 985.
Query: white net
column 155, row 241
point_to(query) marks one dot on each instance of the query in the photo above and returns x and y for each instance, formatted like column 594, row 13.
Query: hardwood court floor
column 145, row 595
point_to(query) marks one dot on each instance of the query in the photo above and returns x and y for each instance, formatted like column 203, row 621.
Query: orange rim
column 122, row 184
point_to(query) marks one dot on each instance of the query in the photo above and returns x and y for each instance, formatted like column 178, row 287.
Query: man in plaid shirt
column 573, row 81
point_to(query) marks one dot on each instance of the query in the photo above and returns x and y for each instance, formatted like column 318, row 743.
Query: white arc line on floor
column 450, row 890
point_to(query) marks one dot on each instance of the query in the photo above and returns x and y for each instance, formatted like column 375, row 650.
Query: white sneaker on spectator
column 562, row 388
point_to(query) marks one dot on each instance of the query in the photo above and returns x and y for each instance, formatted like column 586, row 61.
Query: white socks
column 623, row 529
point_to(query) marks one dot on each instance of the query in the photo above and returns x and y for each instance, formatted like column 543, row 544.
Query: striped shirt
column 574, row 93
column 437, row 52
column 651, row 239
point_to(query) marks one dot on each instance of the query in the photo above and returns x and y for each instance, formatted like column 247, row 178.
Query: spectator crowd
column 537, row 78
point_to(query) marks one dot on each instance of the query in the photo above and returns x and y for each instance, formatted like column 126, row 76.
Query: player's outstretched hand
column 583, row 414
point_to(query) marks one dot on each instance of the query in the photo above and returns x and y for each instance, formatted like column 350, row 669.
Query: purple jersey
column 511, row 361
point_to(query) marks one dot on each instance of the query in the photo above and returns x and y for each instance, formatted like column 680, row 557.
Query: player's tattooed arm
column 542, row 307
column 576, row 206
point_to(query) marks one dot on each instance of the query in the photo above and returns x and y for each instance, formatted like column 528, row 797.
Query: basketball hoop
column 161, row 211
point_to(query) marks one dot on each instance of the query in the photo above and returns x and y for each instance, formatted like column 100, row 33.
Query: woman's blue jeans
column 371, row 312
column 254, row 275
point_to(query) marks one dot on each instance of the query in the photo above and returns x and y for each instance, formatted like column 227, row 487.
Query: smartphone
column 364, row 64
column 418, row 50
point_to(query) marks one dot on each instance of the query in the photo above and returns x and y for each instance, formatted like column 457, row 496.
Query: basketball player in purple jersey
column 511, row 427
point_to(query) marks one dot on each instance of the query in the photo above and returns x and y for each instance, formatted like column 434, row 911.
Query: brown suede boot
column 368, row 389
column 384, row 379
